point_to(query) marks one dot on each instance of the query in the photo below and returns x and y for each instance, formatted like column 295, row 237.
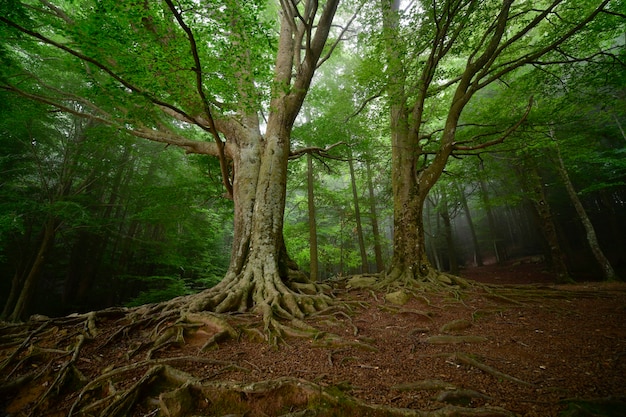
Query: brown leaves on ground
column 536, row 351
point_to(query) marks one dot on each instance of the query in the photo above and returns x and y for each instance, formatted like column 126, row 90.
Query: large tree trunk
column 261, row 276
column 409, row 250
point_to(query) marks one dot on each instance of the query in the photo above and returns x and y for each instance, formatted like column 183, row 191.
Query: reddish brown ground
column 566, row 342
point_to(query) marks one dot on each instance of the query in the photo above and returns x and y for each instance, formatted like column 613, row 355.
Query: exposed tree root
column 155, row 384
column 177, row 393
column 417, row 283
column 468, row 360
column 47, row 353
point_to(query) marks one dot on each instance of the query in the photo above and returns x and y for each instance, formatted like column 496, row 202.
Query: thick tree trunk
column 409, row 250
column 262, row 278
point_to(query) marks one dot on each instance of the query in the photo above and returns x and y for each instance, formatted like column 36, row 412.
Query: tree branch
column 363, row 104
column 97, row 63
column 316, row 150
column 341, row 35
column 498, row 140
column 205, row 102
column 162, row 136
column 492, row 74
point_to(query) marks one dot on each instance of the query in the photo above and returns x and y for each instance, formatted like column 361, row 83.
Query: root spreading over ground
column 475, row 350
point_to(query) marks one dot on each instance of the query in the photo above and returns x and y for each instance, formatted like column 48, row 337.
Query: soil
column 533, row 348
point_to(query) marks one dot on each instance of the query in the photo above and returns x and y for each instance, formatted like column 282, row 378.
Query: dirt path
column 532, row 352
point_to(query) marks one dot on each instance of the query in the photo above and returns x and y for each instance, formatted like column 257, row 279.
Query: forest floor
column 544, row 350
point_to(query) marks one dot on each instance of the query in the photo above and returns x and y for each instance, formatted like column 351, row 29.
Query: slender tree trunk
column 357, row 217
column 312, row 222
column 447, row 224
column 31, row 279
column 531, row 179
column 491, row 221
column 16, row 287
column 478, row 257
column 605, row 265
column 380, row 266
column 432, row 233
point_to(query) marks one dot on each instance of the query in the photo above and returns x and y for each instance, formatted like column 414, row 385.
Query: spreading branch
column 205, row 102
column 98, row 64
column 163, row 135
column 341, row 37
column 499, row 139
column 316, row 150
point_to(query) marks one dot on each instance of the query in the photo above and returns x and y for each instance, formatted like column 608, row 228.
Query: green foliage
column 161, row 289
column 122, row 208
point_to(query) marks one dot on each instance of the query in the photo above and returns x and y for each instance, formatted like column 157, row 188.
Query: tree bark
column 432, row 232
column 378, row 253
column 531, row 180
column 605, row 265
column 357, row 217
column 447, row 224
column 313, row 268
column 478, row 257
column 29, row 282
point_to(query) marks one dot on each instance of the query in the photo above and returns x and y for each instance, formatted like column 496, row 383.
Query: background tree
column 120, row 225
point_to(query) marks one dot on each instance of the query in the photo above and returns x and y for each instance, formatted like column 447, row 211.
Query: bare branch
column 491, row 74
column 498, row 140
column 51, row 102
column 315, row 150
column 166, row 136
column 363, row 104
column 163, row 135
column 58, row 12
column 622, row 15
column 341, row 36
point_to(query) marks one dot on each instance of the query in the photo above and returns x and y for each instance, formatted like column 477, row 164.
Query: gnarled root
column 283, row 304
column 178, row 393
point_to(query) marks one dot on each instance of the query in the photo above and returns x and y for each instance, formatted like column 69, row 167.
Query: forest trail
column 536, row 350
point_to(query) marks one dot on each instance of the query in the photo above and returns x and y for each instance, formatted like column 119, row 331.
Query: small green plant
column 166, row 289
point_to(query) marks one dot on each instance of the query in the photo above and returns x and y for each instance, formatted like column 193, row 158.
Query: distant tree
column 88, row 206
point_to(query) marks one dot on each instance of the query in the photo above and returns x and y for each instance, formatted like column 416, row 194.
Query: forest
column 257, row 170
